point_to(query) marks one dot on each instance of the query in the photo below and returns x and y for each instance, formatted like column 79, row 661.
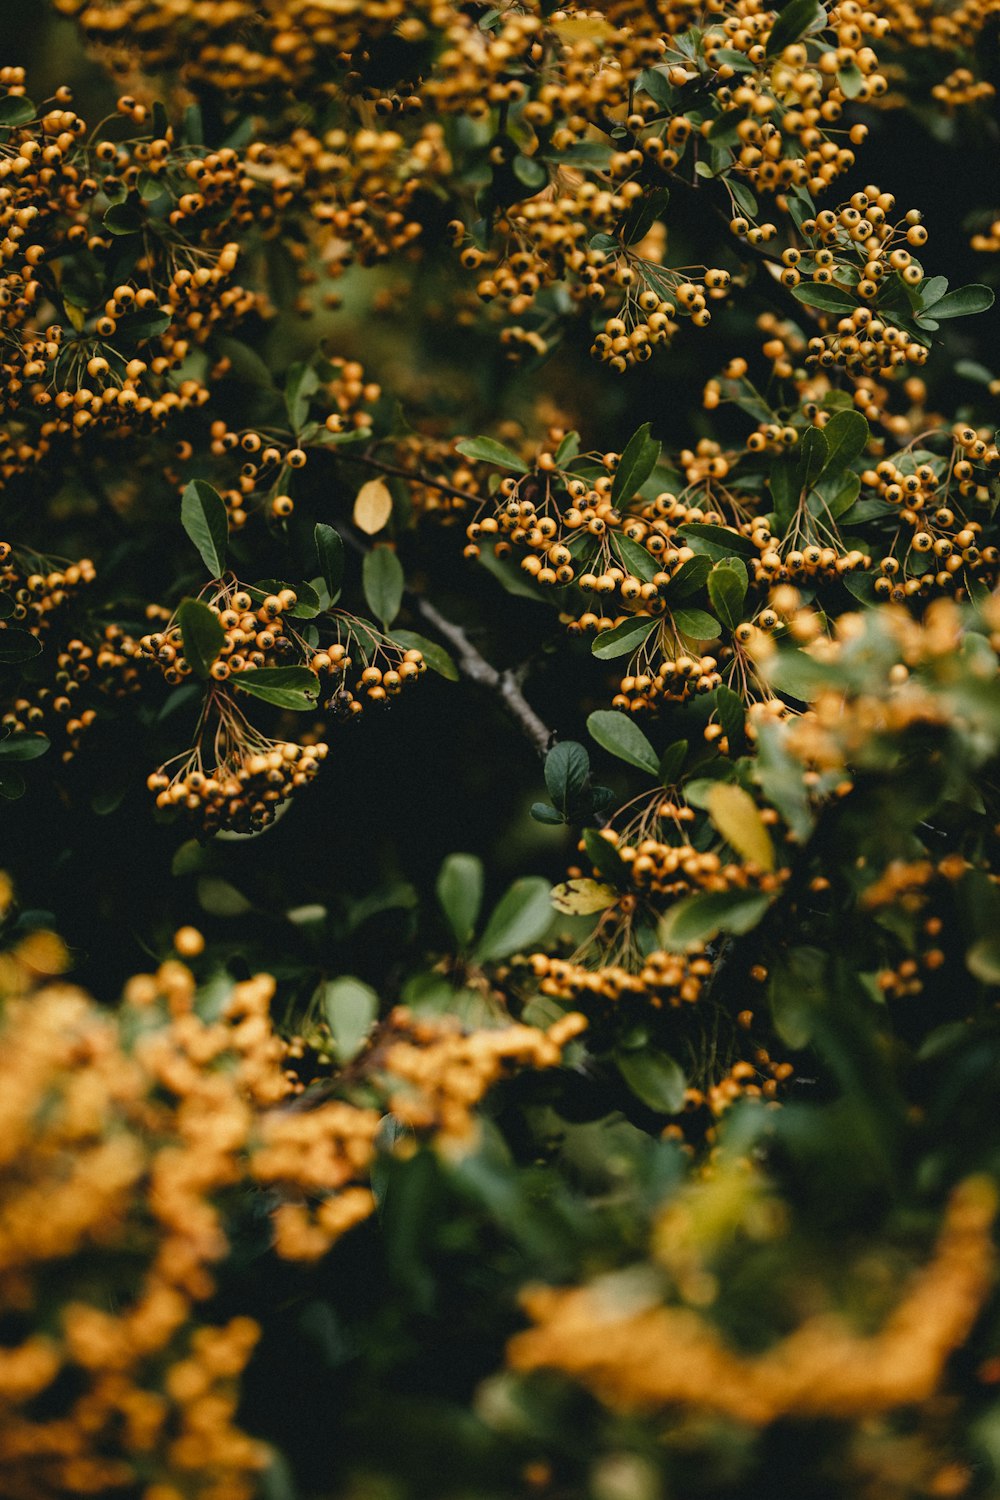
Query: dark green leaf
column 23, row 746
column 692, row 922
column 567, row 769
column 689, row 578
column 16, row 109
column 204, row 518
column 794, row 21
column 123, row 218
column 637, row 561
column 605, row 858
column 12, row 784
column 18, row 645
column 961, row 303
column 624, row 638
column 620, row 735
column 521, row 917
column 330, row 552
column 383, row 580
column 732, row 717
column 434, row 655
column 742, row 196
column 460, row 891
column 489, row 451
column 635, row 465
column 544, row 812
column 643, row 215
column 295, row 688
column 654, row 1078
column 825, row 296
column 727, row 589
column 696, row 624
column 672, row 762
column 847, row 435
column 715, row 541
column 814, row 454
column 350, row 1009
column 851, row 81
column 202, row 635
column 301, row 382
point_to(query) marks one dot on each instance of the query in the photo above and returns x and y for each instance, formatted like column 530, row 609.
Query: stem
column 415, row 476
column 476, row 668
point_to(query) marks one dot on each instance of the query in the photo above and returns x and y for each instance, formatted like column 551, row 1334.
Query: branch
column 415, row 476
column 476, row 668
column 473, row 666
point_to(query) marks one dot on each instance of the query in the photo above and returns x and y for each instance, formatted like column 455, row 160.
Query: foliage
column 499, row 698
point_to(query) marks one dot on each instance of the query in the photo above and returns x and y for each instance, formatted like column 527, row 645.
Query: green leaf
column 692, row 922
column 653, row 1077
column 383, row 581
column 460, row 891
column 961, row 303
column 350, row 1008
column 124, row 218
column 202, row 635
column 636, row 559
column 798, row 674
column 850, row 81
column 23, row 746
column 742, row 196
column 295, row 688
column 16, row 109
column 983, row 960
column 18, row 645
column 203, row 516
column 846, row 435
column 434, row 655
column 530, row 173
column 567, row 770
column 825, row 296
column 689, row 578
column 840, row 496
column 605, row 858
column 301, row 382
column 635, row 465
column 672, row 762
column 330, row 552
column 544, row 812
column 489, row 451
column 732, row 717
column 794, row 21
column 643, row 215
column 568, row 449
column 12, row 784
column 716, row 542
column 727, row 589
column 620, row 735
column 623, row 638
column 658, row 86
column 814, row 453
column 696, row 624
column 521, row 917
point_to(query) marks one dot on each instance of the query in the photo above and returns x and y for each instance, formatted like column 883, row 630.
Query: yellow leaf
column 581, row 897
column 591, row 28
column 737, row 817
column 373, row 507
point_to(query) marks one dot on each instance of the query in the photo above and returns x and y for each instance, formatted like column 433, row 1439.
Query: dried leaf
column 373, row 507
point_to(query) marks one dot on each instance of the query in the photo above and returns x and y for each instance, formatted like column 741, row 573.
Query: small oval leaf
column 373, row 506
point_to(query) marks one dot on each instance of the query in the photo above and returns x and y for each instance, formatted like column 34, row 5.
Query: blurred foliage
column 499, row 701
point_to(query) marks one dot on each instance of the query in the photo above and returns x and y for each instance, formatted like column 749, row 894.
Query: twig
column 415, row 476
column 476, row 668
